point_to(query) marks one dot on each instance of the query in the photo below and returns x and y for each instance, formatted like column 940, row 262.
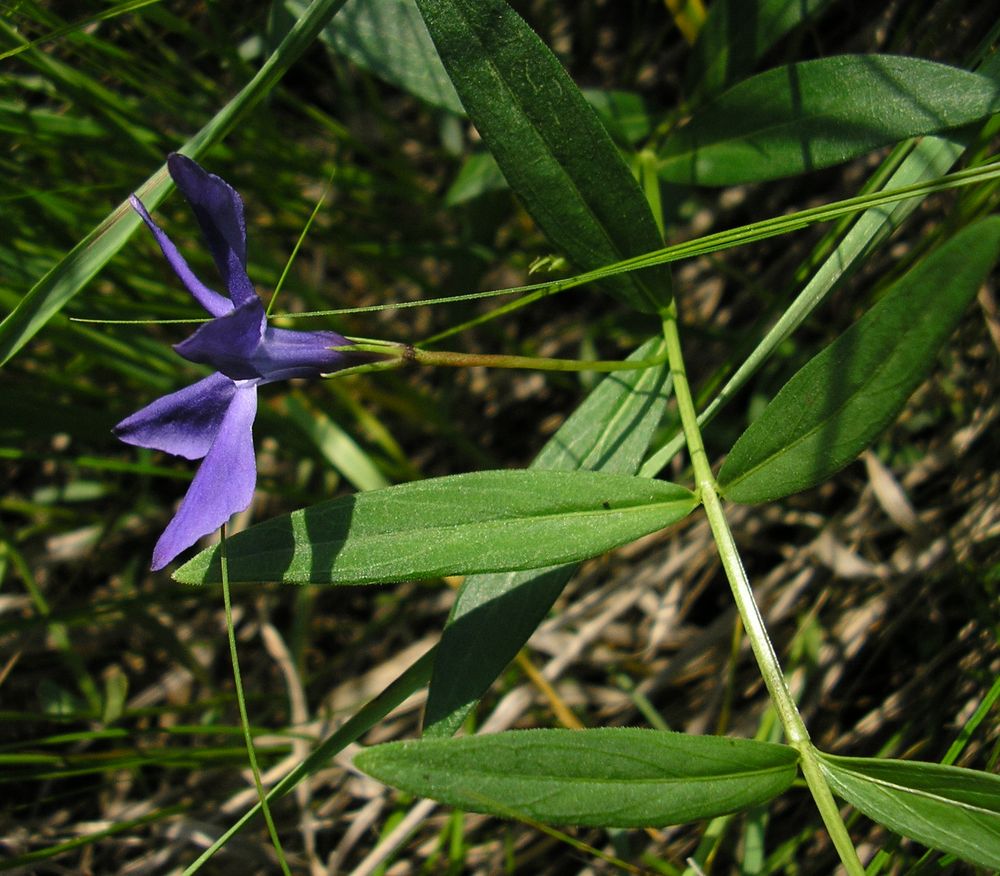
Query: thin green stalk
column 532, row 292
column 536, row 363
column 753, row 622
column 240, row 699
column 649, row 178
column 970, row 726
column 115, row 11
column 406, row 683
column 540, row 291
column 118, row 827
column 710, row 243
column 406, row 354
column 442, row 358
column 300, row 241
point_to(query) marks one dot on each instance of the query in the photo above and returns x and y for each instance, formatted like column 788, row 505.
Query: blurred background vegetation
column 119, row 736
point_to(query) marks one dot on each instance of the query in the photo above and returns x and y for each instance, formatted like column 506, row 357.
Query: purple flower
column 214, row 417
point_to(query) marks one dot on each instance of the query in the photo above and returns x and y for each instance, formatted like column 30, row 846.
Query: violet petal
column 223, row 485
column 229, row 342
column 184, row 423
column 219, row 210
column 211, row 300
column 285, row 353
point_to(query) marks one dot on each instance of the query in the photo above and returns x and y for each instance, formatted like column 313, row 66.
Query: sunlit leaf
column 612, row 777
column 494, row 615
column 486, row 521
column 389, row 38
column 944, row 807
column 848, row 393
column 479, row 175
column 806, row 116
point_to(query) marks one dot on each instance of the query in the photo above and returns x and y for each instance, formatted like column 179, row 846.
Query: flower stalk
column 241, row 702
column 400, row 355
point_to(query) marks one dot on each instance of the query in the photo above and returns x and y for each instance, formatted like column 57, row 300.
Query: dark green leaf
column 480, row 522
column 848, row 393
column 549, row 143
column 612, row 777
column 389, row 39
column 736, row 34
column 494, row 615
column 622, row 112
column 805, row 116
column 944, row 807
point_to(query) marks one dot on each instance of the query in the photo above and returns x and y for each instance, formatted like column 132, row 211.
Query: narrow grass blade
column 80, row 264
column 806, row 116
column 848, row 393
column 494, row 615
column 945, row 807
column 336, row 445
column 612, row 777
column 131, row 825
column 479, row 522
column 53, row 35
column 549, row 143
column 412, row 679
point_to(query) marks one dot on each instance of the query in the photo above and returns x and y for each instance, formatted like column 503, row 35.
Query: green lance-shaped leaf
column 610, row 777
column 948, row 808
column 813, row 114
column 623, row 113
column 549, row 143
column 479, row 522
column 847, row 394
column 494, row 615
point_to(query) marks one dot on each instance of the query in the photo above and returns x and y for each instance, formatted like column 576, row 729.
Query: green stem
column 300, row 241
column 412, row 679
column 404, row 354
column 537, row 363
column 753, row 622
column 241, row 700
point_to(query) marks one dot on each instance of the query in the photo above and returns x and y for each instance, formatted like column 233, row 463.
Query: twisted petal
column 211, row 300
column 219, row 210
column 229, row 342
column 223, row 485
column 284, row 353
column 184, row 423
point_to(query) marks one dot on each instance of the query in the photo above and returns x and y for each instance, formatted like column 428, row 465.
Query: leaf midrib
column 513, row 519
column 919, row 792
column 479, row 775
